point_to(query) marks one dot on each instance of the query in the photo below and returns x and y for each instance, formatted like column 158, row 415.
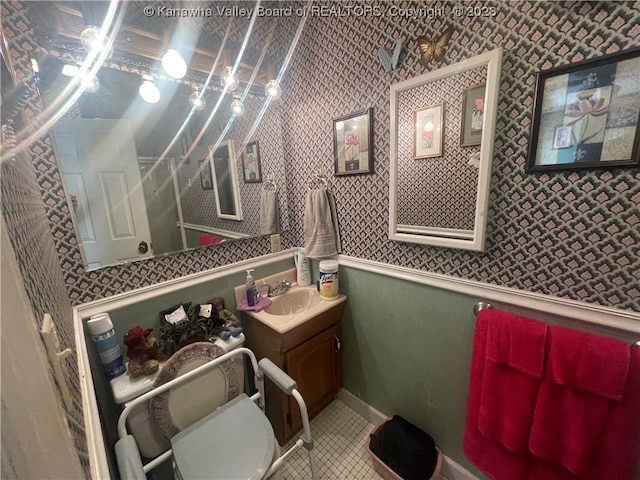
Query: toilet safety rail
column 261, row 368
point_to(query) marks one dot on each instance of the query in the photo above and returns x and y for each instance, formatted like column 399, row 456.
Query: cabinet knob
column 337, row 343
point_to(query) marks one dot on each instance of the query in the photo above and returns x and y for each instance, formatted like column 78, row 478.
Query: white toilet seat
column 244, row 451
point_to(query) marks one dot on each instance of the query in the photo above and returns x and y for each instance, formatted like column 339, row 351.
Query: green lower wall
column 407, row 350
column 146, row 312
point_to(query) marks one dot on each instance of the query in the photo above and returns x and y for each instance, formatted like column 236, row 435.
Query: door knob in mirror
column 143, row 247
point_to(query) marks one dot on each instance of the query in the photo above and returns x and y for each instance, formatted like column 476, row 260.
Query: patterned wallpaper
column 445, row 186
column 573, row 235
column 29, row 228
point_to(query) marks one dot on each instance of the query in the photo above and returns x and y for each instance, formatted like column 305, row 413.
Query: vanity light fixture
column 236, row 106
column 174, row 64
column 229, row 79
column 148, row 90
column 273, row 90
column 92, row 40
column 197, row 99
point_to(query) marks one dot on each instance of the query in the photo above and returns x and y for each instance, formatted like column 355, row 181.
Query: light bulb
column 273, row 90
column 90, row 84
column 93, row 41
column 229, row 79
column 237, row 107
column 148, row 91
column 174, row 64
column 197, row 100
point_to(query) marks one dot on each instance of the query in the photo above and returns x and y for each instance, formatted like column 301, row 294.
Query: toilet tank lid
column 126, row 387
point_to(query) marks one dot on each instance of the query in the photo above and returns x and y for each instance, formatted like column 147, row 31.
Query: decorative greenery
column 174, row 336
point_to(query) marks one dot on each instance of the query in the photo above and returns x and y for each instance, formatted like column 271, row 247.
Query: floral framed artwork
column 251, row 165
column 472, row 116
column 353, row 143
column 427, row 131
column 586, row 115
column 206, row 179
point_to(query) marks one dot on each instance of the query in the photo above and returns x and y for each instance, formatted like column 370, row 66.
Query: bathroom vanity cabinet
column 310, row 354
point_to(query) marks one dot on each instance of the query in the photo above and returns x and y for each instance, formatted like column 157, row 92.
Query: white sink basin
column 295, row 307
column 294, row 301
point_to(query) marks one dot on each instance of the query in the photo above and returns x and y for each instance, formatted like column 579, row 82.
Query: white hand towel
column 334, row 218
column 268, row 212
column 319, row 231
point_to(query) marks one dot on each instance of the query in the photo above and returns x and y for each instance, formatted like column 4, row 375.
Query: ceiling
column 58, row 25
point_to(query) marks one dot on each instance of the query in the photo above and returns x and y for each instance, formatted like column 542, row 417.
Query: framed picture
column 353, row 143
column 427, row 131
column 251, row 166
column 472, row 116
column 206, row 180
column 586, row 115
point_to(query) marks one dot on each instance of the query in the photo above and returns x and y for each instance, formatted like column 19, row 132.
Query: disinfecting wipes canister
column 329, row 279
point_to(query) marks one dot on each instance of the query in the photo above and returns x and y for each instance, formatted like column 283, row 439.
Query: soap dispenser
column 251, row 289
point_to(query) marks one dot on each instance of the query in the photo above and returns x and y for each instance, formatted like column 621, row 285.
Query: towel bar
column 478, row 307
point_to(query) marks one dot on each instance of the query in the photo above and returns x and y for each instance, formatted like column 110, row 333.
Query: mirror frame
column 452, row 238
column 232, row 166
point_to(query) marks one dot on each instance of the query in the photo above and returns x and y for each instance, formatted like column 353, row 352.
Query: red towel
column 208, row 239
column 515, row 361
column 616, row 452
column 585, row 378
column 487, row 454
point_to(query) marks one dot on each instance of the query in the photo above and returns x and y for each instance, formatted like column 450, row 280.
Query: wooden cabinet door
column 315, row 366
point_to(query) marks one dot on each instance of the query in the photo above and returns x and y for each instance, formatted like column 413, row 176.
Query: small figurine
column 142, row 351
column 232, row 326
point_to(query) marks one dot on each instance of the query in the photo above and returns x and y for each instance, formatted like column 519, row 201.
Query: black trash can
column 402, row 451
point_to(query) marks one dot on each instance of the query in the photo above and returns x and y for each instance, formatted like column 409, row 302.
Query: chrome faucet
column 281, row 287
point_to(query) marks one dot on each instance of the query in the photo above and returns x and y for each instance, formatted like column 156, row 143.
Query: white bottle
column 252, row 294
column 303, row 273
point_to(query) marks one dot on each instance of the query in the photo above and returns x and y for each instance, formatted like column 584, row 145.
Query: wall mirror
column 183, row 211
column 442, row 134
column 225, row 181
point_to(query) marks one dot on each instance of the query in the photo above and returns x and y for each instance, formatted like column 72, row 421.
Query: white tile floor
column 340, row 437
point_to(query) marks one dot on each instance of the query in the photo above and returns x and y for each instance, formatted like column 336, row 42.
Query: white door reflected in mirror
column 99, row 168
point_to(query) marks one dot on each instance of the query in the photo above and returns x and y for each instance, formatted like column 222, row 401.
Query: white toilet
column 125, row 388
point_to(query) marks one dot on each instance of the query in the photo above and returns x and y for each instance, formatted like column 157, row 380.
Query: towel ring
column 270, row 181
column 320, row 175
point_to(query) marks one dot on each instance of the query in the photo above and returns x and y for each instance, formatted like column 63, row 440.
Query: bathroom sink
column 294, row 301
column 293, row 308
